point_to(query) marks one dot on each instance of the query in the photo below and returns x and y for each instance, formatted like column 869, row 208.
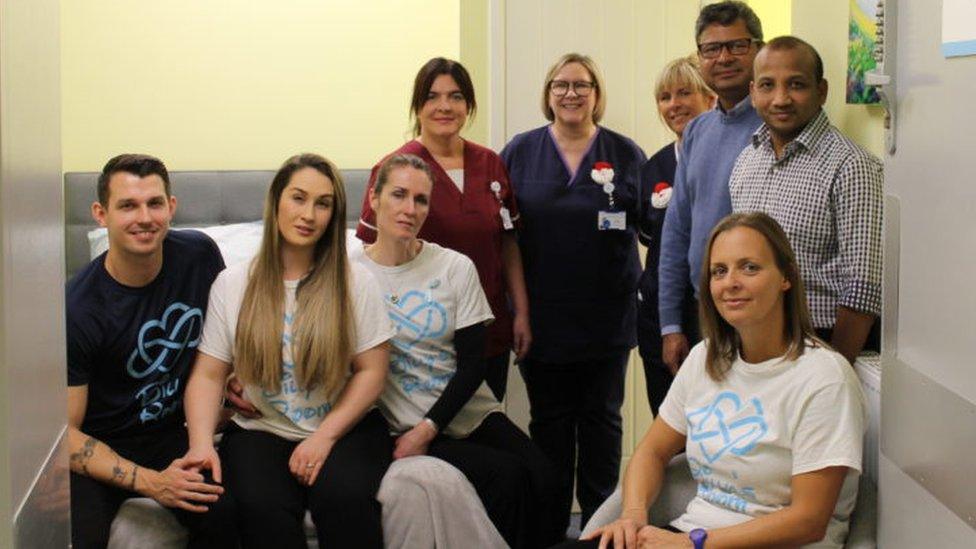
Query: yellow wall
column 824, row 25
column 775, row 16
column 225, row 84
column 474, row 44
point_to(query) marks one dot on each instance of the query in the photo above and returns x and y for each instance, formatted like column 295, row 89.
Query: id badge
column 612, row 221
column 506, row 219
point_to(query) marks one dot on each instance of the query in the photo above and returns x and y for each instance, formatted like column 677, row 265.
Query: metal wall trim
column 929, row 432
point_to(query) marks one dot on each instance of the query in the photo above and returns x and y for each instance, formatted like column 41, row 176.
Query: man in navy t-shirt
column 134, row 319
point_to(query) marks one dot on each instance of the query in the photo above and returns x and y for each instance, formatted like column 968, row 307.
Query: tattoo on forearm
column 118, row 472
column 132, row 485
column 83, row 456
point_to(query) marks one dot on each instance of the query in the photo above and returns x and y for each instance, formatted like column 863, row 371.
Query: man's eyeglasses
column 560, row 88
column 711, row 50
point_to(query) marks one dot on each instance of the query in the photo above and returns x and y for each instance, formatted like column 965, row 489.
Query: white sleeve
column 218, row 334
column 830, row 429
column 373, row 324
column 672, row 410
column 472, row 305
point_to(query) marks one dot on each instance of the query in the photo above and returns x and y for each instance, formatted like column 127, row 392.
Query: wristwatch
column 698, row 537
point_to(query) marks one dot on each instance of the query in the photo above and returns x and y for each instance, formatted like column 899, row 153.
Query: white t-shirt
column 428, row 298
column 290, row 413
column 748, row 435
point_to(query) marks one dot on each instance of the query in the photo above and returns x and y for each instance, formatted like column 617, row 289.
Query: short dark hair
column 141, row 165
column 395, row 161
column 727, row 13
column 793, row 43
column 425, row 80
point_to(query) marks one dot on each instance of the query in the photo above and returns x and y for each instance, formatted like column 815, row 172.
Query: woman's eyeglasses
column 560, row 88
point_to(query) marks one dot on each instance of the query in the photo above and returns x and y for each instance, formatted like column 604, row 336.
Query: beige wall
column 33, row 410
column 224, row 84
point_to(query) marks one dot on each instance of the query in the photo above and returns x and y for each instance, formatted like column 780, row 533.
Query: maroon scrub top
column 467, row 222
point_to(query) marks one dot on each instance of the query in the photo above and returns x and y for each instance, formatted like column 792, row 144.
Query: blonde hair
column 590, row 66
column 723, row 340
column 682, row 71
column 323, row 329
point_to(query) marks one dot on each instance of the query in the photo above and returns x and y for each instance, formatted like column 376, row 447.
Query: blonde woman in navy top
column 577, row 188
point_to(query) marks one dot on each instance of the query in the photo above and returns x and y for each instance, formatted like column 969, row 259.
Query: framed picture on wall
column 862, row 32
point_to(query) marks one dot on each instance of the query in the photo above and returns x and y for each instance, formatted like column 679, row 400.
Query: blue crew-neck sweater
column 710, row 145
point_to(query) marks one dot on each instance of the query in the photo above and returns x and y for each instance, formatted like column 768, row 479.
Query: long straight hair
column 723, row 340
column 323, row 329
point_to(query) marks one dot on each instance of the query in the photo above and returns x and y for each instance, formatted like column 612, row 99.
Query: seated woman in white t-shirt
column 436, row 400
column 771, row 418
column 305, row 332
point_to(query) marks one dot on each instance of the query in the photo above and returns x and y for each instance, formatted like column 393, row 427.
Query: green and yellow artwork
column 862, row 32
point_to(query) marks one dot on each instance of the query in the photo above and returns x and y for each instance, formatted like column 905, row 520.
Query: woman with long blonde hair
column 305, row 332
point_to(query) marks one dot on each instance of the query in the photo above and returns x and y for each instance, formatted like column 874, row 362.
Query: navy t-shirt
column 134, row 347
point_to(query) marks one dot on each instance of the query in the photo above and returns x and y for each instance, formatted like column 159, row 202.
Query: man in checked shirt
column 823, row 189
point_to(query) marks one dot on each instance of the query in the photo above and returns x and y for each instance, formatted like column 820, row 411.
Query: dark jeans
column 94, row 504
column 657, row 376
column 496, row 374
column 342, row 501
column 513, row 478
column 575, row 410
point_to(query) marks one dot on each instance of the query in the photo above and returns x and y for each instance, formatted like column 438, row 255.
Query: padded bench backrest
column 204, row 198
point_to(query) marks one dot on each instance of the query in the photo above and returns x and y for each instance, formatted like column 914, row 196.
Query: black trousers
column 575, row 409
column 513, row 478
column 94, row 504
column 657, row 376
column 271, row 502
column 497, row 374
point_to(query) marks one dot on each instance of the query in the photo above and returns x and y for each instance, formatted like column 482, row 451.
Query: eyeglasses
column 560, row 88
column 711, row 50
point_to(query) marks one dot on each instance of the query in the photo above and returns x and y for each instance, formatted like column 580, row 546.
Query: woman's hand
column 308, row 457
column 522, row 336
column 621, row 533
column 650, row 537
column 234, row 394
column 200, row 458
column 415, row 441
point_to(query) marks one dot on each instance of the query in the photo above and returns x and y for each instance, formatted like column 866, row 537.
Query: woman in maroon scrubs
column 472, row 207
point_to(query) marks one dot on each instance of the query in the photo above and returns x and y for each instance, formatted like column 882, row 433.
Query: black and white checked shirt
column 826, row 193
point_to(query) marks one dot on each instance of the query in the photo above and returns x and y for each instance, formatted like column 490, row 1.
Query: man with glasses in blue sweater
column 728, row 34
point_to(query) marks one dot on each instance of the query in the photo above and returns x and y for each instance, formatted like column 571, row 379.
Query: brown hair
column 323, row 330
column 590, row 66
column 395, row 161
column 142, row 165
column 723, row 341
column 425, row 80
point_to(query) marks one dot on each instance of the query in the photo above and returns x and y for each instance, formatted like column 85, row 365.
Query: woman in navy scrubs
column 681, row 95
column 577, row 186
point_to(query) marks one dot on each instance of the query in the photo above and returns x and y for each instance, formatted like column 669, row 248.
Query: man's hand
column 522, row 336
column 415, row 441
column 207, row 458
column 178, row 486
column 234, row 393
column 308, row 457
column 674, row 350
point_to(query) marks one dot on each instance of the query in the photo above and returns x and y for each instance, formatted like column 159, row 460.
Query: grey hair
column 726, row 13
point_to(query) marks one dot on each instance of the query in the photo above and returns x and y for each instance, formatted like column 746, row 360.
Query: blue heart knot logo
column 161, row 342
column 727, row 425
column 417, row 317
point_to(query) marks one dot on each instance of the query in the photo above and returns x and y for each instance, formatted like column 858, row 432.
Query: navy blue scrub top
column 581, row 281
